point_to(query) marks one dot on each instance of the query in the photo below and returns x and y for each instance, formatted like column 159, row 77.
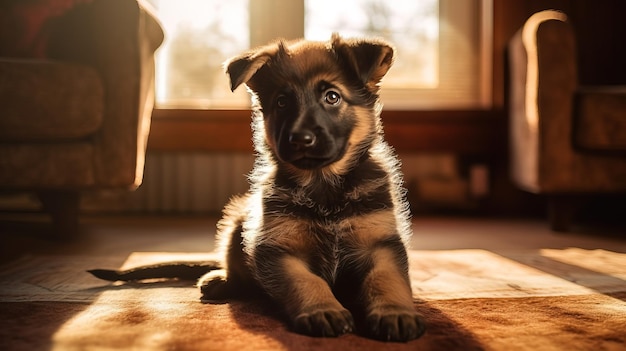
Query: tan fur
column 309, row 292
column 386, row 280
column 363, row 128
column 370, row 228
column 287, row 232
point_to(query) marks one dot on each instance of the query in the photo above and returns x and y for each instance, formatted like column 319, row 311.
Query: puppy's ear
column 371, row 58
column 241, row 68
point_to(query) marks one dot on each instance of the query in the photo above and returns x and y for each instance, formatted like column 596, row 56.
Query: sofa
column 567, row 141
column 76, row 93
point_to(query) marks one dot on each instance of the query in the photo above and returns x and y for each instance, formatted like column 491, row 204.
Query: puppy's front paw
column 324, row 322
column 395, row 324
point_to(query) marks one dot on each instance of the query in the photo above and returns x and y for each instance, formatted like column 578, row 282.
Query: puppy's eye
column 332, row 97
column 282, row 101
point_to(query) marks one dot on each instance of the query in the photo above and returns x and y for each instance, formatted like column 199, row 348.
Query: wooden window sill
column 461, row 132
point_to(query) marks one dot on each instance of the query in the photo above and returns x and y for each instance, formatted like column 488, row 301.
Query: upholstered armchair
column 76, row 98
column 567, row 141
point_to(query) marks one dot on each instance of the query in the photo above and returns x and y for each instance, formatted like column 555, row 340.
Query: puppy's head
column 318, row 100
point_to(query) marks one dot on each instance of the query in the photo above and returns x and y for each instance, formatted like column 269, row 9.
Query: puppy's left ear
column 371, row 58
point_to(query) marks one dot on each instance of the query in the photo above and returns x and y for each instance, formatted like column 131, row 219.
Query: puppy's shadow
column 259, row 315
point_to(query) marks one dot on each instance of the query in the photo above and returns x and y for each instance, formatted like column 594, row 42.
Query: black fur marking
column 323, row 202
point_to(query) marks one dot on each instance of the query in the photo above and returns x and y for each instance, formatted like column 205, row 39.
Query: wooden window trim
column 462, row 132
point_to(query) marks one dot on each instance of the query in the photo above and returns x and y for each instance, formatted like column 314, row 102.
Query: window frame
column 471, row 131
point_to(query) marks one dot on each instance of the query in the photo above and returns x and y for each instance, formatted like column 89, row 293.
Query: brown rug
column 542, row 300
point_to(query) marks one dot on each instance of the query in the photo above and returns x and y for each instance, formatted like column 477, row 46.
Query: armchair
column 76, row 99
column 567, row 141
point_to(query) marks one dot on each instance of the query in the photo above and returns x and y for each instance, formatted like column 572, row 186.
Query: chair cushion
column 49, row 101
column 600, row 119
column 66, row 165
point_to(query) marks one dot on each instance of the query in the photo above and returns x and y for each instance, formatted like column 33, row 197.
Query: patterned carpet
column 550, row 299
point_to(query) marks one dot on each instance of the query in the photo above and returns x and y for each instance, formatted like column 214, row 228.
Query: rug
column 570, row 299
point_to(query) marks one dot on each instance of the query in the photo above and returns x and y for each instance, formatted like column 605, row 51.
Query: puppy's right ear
column 241, row 68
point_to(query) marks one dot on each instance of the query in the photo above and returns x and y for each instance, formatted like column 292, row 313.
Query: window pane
column 442, row 56
column 199, row 36
column 412, row 26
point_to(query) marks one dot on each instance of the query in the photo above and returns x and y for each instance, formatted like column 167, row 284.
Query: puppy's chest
column 330, row 205
column 330, row 246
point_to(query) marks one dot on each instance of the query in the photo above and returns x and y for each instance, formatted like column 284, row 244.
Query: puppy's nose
column 302, row 139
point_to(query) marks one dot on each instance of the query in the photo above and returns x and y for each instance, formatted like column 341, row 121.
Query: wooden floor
column 107, row 235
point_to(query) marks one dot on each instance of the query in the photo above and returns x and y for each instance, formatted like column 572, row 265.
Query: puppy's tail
column 170, row 270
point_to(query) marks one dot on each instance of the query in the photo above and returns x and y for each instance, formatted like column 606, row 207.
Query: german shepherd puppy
column 324, row 228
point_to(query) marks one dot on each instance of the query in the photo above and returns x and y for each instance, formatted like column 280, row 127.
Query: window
column 442, row 58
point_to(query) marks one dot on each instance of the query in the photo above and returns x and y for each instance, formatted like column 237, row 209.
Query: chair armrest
column 118, row 38
column 543, row 68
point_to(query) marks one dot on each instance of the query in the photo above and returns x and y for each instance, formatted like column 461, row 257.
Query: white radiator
column 191, row 182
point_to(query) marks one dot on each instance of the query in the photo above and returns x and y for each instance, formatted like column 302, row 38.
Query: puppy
column 324, row 228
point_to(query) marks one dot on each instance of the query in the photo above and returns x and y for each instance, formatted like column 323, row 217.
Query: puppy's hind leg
column 214, row 286
column 234, row 281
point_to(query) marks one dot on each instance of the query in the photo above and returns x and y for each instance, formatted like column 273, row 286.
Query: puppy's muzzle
column 302, row 139
column 308, row 148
